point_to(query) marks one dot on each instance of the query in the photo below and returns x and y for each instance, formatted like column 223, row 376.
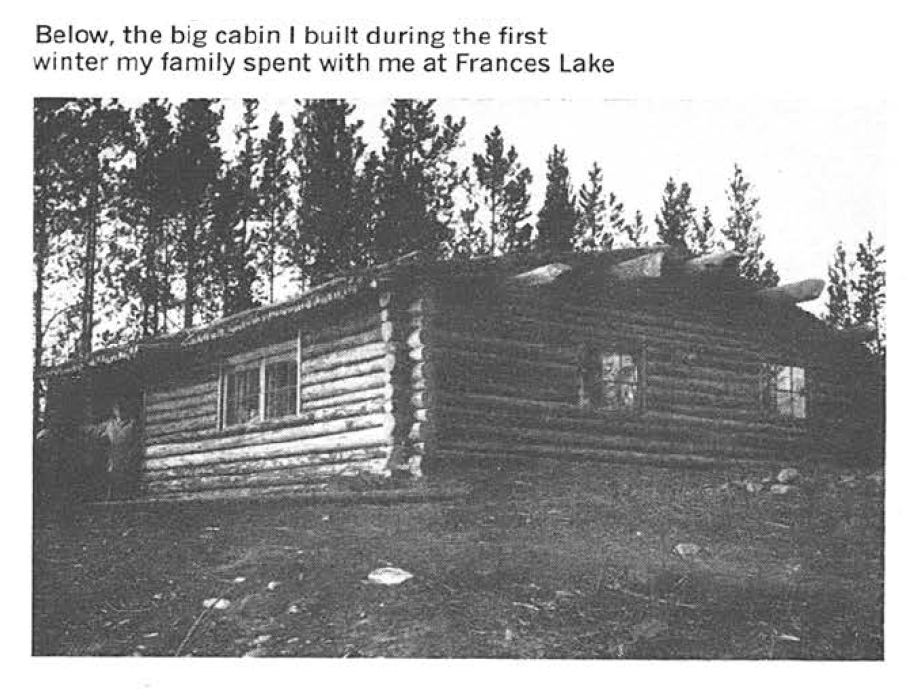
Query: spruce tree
column 504, row 184
column 617, row 222
column 557, row 217
column 54, row 201
column 637, row 231
column 150, row 213
column 364, row 210
column 869, row 288
column 274, row 203
column 416, row 180
column 236, row 212
column 743, row 232
column 591, row 232
column 675, row 221
column 326, row 150
column 198, row 164
column 703, row 237
column 838, row 307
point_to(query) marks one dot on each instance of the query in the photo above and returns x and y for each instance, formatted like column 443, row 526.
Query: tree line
column 152, row 218
column 857, row 291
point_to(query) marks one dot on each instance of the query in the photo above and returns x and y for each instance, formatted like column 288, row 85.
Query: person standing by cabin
column 121, row 472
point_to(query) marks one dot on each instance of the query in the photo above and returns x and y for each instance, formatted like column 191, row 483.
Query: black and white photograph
column 402, row 377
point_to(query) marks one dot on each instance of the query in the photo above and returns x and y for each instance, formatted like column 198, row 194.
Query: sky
column 818, row 168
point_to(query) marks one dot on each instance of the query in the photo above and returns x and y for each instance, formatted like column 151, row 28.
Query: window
column 784, row 391
column 261, row 389
column 611, row 381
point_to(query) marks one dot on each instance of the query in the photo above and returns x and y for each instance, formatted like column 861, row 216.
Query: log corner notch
column 401, row 310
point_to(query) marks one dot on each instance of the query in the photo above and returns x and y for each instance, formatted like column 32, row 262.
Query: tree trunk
column 40, row 253
column 88, row 296
column 190, row 274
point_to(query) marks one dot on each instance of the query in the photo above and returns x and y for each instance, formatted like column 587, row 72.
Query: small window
column 281, row 389
column 242, row 395
column 611, row 381
column 784, row 391
column 264, row 389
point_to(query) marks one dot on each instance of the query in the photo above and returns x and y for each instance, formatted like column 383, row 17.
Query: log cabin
column 632, row 356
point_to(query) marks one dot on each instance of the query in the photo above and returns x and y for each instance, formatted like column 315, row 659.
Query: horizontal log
column 264, row 478
column 164, row 393
column 486, row 385
column 492, row 344
column 648, row 421
column 340, row 357
column 308, row 417
column 288, row 349
column 377, row 436
column 277, row 464
column 492, row 449
column 343, row 386
column 601, row 321
column 384, row 392
column 158, row 409
column 167, row 418
column 383, row 363
column 463, row 357
column 474, row 431
column 613, row 425
column 746, row 390
column 313, row 353
column 341, row 328
column 181, row 426
column 274, row 436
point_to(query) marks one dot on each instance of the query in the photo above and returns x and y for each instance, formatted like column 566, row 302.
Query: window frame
column 260, row 363
column 591, row 369
column 770, row 392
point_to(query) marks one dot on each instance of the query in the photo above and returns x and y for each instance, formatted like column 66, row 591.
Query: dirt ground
column 545, row 562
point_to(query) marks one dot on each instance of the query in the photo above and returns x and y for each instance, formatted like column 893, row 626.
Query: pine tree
column 869, row 288
column 55, row 199
column 275, row 203
column 637, row 231
column 326, row 150
column 417, row 180
column 838, row 308
column 591, row 232
column 557, row 218
column 675, row 221
column 150, row 212
column 235, row 214
column 742, row 231
column 364, row 210
column 198, row 164
column 703, row 237
column 504, row 184
column 617, row 222
column 470, row 238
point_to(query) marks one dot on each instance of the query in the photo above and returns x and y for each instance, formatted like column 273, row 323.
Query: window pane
column 784, row 402
column 784, row 378
column 799, row 407
column 798, row 380
column 280, row 389
column 242, row 396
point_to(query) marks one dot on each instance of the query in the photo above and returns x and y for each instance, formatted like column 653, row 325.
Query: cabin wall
column 497, row 375
column 344, row 425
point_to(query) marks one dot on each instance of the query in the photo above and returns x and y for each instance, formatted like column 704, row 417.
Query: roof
column 526, row 269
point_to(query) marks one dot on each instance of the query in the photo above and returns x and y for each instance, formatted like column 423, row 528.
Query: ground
column 547, row 562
